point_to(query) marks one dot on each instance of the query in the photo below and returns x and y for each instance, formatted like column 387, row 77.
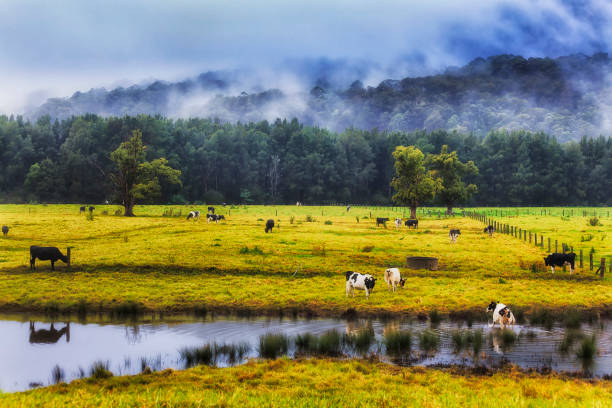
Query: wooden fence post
column 530, row 237
column 602, row 267
column 581, row 259
column 591, row 261
column 542, row 241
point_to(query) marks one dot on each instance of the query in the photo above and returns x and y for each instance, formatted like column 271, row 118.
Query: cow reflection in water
column 44, row 336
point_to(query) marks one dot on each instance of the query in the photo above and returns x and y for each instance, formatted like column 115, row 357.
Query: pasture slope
column 157, row 263
column 164, row 263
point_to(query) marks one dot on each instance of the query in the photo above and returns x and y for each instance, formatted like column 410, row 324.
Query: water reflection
column 50, row 336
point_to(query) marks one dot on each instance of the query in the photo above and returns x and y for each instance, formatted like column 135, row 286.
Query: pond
column 37, row 352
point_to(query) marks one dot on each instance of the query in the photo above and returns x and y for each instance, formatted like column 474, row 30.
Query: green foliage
column 594, row 221
column 428, row 341
column 398, row 342
column 272, row 345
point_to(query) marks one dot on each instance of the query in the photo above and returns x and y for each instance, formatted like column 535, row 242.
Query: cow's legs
column 348, row 288
column 552, row 269
column 32, row 262
column 367, row 293
column 52, row 266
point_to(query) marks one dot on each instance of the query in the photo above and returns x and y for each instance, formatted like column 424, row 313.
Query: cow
column 501, row 314
column 393, row 278
column 412, row 223
column 269, row 225
column 382, row 221
column 195, row 215
column 82, row 210
column 44, row 336
column 211, row 210
column 559, row 259
column 454, row 234
column 214, row 217
column 52, row 254
column 5, row 230
column 489, row 229
column 348, row 208
column 398, row 222
column 91, row 209
column 359, row 281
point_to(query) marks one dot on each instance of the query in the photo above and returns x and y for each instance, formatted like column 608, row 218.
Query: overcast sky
column 53, row 48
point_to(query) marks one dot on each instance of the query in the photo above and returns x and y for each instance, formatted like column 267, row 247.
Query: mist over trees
column 566, row 96
column 286, row 161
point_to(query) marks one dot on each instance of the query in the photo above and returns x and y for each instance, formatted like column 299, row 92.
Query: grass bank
column 321, row 383
column 161, row 262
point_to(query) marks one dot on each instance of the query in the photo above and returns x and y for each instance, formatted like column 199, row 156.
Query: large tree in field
column 447, row 168
column 413, row 183
column 137, row 179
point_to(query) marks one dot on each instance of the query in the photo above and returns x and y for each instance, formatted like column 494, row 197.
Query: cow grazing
column 44, row 336
column 269, row 225
column 211, row 210
column 393, row 278
column 46, row 254
column 82, row 210
column 5, row 230
column 91, row 209
column 559, row 259
column 454, row 234
column 359, row 281
column 382, row 221
column 501, row 314
column 348, row 208
column 398, row 222
column 490, row 230
column 214, row 217
column 195, row 215
column 412, row 223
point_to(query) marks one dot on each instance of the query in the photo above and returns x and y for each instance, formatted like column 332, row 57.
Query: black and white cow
column 382, row 221
column 211, row 210
column 398, row 222
column 214, row 217
column 393, row 278
column 490, row 230
column 454, row 234
column 269, row 225
column 195, row 215
column 52, row 254
column 412, row 223
column 559, row 259
column 348, row 208
column 355, row 280
column 501, row 314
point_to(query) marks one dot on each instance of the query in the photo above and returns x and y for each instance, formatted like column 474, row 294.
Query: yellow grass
column 158, row 263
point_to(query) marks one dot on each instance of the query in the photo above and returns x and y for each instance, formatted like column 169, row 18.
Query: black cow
column 269, row 225
column 82, row 209
column 454, row 234
column 211, row 210
column 5, row 230
column 91, row 209
column 382, row 221
column 412, row 223
column 46, row 254
column 559, row 259
column 490, row 230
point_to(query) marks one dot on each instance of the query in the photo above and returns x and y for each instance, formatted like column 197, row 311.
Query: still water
column 31, row 350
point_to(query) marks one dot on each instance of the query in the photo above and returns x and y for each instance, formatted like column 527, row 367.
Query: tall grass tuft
column 428, row 341
column 330, row 344
column 198, row 355
column 273, row 345
column 398, row 342
column 305, row 343
column 99, row 370
column 572, row 319
column 434, row 317
column 587, row 349
column 57, row 374
column 508, row 338
column 310, row 218
column 361, row 341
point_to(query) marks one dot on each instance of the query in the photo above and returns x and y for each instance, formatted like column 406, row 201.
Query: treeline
column 285, row 162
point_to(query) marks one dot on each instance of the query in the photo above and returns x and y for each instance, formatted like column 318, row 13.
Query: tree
column 413, row 182
column 450, row 171
column 137, row 179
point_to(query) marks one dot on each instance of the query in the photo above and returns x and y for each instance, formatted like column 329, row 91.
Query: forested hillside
column 286, row 161
column 567, row 97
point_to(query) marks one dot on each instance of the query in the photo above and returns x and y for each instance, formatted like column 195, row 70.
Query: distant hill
column 567, row 96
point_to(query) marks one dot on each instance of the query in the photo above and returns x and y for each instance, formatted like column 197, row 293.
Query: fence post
column 549, row 245
column 542, row 241
column 603, row 267
column 556, row 246
column 530, row 237
column 591, row 261
column 581, row 259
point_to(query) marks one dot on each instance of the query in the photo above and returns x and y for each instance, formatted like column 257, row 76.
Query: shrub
column 310, row 218
column 594, row 221
column 367, row 248
column 245, row 250
column 328, row 222
column 398, row 342
column 272, row 345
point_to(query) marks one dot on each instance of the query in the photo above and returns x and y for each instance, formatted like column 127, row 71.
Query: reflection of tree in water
column 49, row 336
column 132, row 334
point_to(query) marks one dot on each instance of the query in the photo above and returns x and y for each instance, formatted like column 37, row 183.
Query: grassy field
column 320, row 383
column 165, row 263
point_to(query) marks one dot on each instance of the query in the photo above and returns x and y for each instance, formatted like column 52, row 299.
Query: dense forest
column 286, row 161
column 567, row 97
